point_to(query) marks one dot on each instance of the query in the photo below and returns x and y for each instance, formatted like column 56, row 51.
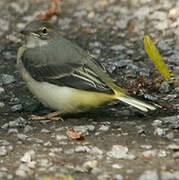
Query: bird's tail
column 135, row 102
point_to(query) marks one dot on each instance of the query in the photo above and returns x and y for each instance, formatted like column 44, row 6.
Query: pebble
column 13, row 131
column 122, row 24
column 103, row 176
column 90, row 164
column 159, row 132
column 81, row 149
column 118, row 177
column 104, row 128
column 21, row 173
column 173, row 146
column 3, row 151
column 16, row 108
column 117, row 47
column 117, row 166
column 123, row 63
column 158, row 15
column 83, row 130
column 18, row 122
column 4, row 142
column 156, row 123
column 164, row 88
column 4, row 26
column 142, row 12
column 56, row 150
column 45, row 131
column 144, row 146
column 2, row 104
column 22, row 136
column 28, row 129
column 148, row 153
column 28, row 156
column 148, row 175
column 120, row 152
column 169, row 175
column 1, row 89
column 6, row 79
column 61, row 137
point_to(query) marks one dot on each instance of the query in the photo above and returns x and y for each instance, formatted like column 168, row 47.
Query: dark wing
column 64, row 67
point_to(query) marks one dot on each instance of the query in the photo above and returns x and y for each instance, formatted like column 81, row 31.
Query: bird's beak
column 25, row 32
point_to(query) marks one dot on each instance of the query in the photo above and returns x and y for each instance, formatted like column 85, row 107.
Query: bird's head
column 38, row 33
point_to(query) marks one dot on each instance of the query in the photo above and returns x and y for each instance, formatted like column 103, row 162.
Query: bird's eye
column 44, row 30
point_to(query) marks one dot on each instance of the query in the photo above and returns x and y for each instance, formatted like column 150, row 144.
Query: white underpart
column 51, row 95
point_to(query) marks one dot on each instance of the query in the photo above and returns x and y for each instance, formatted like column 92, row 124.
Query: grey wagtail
column 63, row 76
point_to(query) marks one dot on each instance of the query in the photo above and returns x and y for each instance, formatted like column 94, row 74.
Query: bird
column 65, row 77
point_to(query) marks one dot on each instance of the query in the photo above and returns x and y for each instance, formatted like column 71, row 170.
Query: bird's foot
column 50, row 116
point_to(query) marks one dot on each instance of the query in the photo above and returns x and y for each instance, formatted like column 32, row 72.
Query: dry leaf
column 50, row 12
column 74, row 135
column 154, row 55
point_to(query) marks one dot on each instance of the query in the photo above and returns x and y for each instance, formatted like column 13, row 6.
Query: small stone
column 45, row 131
column 170, row 135
column 104, row 176
column 7, row 79
column 159, row 132
column 18, row 122
column 96, row 171
column 117, row 48
column 169, row 175
column 117, row 166
column 61, row 137
column 164, row 88
column 142, row 12
column 56, row 150
column 90, row 164
column 13, row 131
column 173, row 147
column 21, row 173
column 162, row 153
column 36, row 140
column 95, row 150
column 156, row 123
column 5, row 126
column 3, row 151
column 148, row 153
column 123, row 63
column 120, row 152
column 4, row 142
column 28, row 129
column 104, row 128
column 1, row 90
column 16, row 108
column 173, row 13
column 158, row 15
column 117, row 177
column 69, row 151
column 122, row 24
column 146, row 146
column 28, row 156
column 81, row 149
column 176, row 155
column 48, row 144
column 148, row 175
column 2, row 104
column 21, row 136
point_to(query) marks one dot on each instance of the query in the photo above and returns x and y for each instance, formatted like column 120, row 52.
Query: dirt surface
column 116, row 141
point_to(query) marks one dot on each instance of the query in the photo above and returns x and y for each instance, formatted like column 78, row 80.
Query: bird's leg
column 50, row 116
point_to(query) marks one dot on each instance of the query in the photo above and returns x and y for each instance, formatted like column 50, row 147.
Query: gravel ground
column 116, row 142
